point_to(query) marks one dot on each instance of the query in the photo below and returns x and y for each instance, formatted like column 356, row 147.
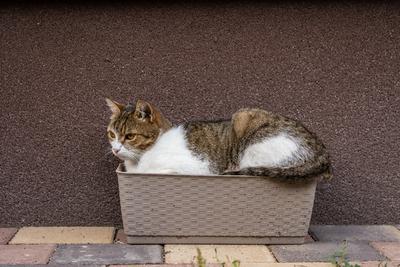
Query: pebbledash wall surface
column 333, row 66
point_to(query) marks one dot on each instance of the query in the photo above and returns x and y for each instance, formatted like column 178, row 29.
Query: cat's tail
column 319, row 167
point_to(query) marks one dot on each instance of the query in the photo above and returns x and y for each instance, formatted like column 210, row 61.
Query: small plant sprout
column 236, row 263
column 201, row 262
column 339, row 258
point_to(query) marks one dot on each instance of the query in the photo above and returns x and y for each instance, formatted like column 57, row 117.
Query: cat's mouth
column 121, row 155
column 126, row 155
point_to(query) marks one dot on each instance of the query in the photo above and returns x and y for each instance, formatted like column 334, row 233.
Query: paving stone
column 389, row 249
column 6, row 234
column 25, row 254
column 267, row 264
column 276, row 264
column 162, row 265
column 323, row 251
column 291, row 264
column 51, row 265
column 355, row 232
column 107, row 254
column 377, row 263
column 120, row 237
column 245, row 253
column 64, row 235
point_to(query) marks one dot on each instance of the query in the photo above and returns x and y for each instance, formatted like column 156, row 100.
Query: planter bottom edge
column 142, row 240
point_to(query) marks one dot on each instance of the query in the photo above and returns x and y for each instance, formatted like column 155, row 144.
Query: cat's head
column 134, row 129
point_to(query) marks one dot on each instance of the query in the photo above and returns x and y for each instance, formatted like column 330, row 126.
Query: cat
column 252, row 142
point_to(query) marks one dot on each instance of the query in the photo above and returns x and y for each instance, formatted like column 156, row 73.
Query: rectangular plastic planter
column 167, row 209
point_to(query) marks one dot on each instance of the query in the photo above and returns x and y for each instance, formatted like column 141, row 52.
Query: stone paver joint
column 390, row 249
column 6, row 234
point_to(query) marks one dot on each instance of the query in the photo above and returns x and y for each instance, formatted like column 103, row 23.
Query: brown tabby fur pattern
column 222, row 142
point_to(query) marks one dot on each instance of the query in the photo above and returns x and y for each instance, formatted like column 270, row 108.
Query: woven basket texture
column 231, row 206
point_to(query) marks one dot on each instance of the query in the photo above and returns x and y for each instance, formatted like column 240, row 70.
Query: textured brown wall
column 335, row 67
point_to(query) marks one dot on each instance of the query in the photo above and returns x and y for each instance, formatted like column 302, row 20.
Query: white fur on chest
column 281, row 150
column 171, row 154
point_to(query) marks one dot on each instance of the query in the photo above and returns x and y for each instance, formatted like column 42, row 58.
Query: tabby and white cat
column 253, row 142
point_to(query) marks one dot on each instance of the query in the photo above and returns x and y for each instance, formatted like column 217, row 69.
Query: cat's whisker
column 107, row 155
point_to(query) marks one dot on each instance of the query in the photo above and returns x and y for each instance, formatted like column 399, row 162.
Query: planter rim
column 119, row 171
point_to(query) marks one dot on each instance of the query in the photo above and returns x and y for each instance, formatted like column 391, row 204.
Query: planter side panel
column 214, row 206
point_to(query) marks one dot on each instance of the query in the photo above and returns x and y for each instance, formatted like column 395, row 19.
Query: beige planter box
column 167, row 209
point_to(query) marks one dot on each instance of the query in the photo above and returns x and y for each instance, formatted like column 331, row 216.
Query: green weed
column 201, row 261
column 339, row 258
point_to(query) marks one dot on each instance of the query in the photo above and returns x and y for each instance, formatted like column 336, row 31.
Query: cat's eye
column 111, row 134
column 130, row 136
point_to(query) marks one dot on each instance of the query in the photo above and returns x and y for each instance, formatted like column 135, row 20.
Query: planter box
column 167, row 209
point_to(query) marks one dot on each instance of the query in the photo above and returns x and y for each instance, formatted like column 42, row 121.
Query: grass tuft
column 201, row 261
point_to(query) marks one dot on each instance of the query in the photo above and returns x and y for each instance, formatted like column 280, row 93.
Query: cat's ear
column 115, row 107
column 144, row 111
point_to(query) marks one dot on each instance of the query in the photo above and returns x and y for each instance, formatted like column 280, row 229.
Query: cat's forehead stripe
column 120, row 123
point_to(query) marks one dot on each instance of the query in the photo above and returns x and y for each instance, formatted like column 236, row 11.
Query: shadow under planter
column 185, row 209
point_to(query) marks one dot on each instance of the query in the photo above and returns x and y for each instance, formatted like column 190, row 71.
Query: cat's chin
column 126, row 158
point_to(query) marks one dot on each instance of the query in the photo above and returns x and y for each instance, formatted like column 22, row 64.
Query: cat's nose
column 116, row 150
